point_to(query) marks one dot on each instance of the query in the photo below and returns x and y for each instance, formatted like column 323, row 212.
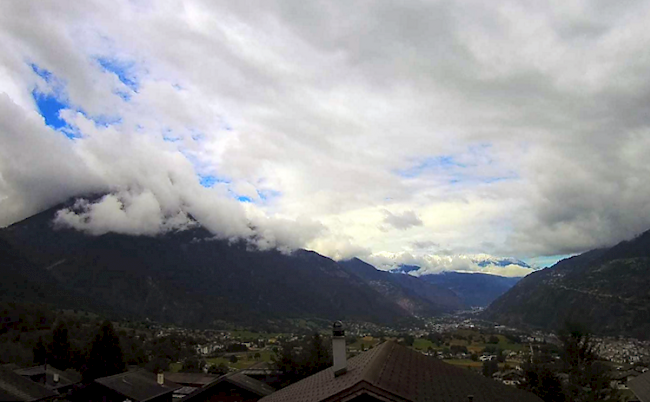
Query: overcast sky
column 435, row 133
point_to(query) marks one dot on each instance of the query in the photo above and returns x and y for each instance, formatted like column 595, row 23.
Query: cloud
column 436, row 263
column 502, row 128
column 401, row 221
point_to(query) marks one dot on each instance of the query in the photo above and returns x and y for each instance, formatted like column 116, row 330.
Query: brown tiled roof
column 14, row 387
column 137, row 385
column 400, row 374
column 241, row 380
column 641, row 386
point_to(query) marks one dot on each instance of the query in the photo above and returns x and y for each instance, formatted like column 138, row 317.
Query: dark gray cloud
column 403, row 220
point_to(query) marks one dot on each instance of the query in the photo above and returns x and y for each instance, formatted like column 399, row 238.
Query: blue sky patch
column 210, row 180
column 242, row 198
column 43, row 73
column 49, row 107
column 123, row 71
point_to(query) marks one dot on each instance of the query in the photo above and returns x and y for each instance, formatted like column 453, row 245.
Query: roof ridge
column 372, row 372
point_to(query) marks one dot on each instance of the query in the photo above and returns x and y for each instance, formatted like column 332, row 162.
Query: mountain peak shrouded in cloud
column 404, row 133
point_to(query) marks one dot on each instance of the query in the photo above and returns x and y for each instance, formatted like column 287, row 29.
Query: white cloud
column 505, row 128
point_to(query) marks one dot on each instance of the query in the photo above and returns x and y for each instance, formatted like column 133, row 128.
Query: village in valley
column 250, row 362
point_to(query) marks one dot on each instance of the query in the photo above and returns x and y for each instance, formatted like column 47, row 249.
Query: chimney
column 55, row 377
column 161, row 378
column 338, row 349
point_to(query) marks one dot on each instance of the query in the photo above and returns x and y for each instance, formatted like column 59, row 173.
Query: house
column 235, row 387
column 136, row 386
column 14, row 387
column 620, row 379
column 640, row 386
column 51, row 378
column 508, row 377
column 391, row 372
column 263, row 371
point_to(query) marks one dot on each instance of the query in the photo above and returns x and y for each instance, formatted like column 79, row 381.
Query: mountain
column 410, row 293
column 474, row 289
column 186, row 277
column 606, row 289
column 21, row 280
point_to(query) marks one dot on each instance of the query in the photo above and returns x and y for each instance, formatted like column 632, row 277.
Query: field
column 476, row 345
column 244, row 360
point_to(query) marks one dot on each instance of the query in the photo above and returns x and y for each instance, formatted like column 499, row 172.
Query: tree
column 493, row 339
column 40, row 351
column 158, row 364
column 407, row 339
column 105, row 357
column 297, row 363
column 542, row 382
column 588, row 377
column 220, row 369
column 501, row 358
column 233, row 359
column 257, row 356
column 61, row 350
column 474, row 357
column 193, row 365
column 317, row 356
column 490, row 367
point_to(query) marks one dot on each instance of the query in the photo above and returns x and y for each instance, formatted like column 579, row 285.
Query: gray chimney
column 160, row 378
column 338, row 349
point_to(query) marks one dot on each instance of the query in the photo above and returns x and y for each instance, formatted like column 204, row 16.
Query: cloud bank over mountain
column 418, row 130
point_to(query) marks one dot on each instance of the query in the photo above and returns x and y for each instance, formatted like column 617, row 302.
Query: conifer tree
column 105, row 357
column 40, row 352
column 61, row 349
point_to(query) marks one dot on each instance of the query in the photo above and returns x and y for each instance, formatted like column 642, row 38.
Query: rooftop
column 66, row 378
column 137, row 385
column 641, row 387
column 14, row 387
column 241, row 380
column 397, row 373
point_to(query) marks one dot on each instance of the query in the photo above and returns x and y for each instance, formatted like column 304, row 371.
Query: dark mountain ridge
column 607, row 289
column 412, row 294
column 474, row 289
column 189, row 278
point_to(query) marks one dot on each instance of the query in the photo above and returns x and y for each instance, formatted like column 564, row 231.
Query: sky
column 431, row 133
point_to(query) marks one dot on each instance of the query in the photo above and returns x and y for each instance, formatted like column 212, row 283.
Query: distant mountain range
column 474, row 289
column 607, row 289
column 411, row 293
column 189, row 278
